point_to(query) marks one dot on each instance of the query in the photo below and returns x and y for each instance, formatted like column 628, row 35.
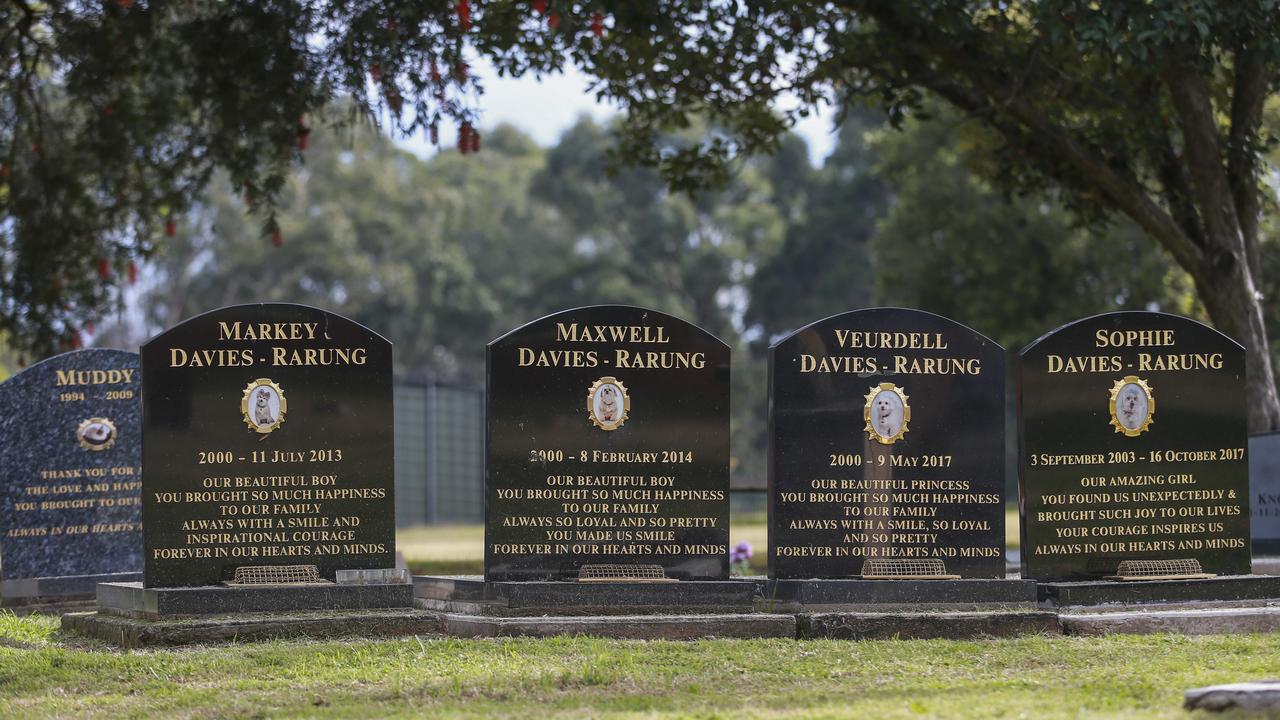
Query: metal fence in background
column 439, row 433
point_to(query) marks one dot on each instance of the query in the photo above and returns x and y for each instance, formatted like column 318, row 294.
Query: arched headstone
column 1132, row 436
column 70, row 471
column 268, row 441
column 607, row 444
column 886, row 445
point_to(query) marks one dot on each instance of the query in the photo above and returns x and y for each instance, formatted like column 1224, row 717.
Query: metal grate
column 604, row 572
column 1160, row 569
column 276, row 575
column 906, row 569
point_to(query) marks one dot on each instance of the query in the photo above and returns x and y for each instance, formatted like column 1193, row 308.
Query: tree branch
column 990, row 94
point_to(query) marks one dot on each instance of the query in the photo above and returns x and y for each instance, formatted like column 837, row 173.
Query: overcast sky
column 547, row 108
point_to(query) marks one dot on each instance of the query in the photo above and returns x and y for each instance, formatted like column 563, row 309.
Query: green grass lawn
column 43, row 674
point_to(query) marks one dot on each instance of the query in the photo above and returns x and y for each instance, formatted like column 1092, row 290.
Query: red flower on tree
column 463, row 9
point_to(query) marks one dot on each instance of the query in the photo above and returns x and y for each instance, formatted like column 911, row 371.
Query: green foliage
column 116, row 114
column 446, row 254
column 825, row 265
column 1010, row 267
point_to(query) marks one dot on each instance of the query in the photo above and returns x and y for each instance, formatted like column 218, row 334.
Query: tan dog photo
column 262, row 407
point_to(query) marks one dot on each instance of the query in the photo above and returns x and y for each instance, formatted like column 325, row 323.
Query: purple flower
column 741, row 552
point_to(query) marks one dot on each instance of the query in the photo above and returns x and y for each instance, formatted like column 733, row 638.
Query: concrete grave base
column 130, row 632
column 53, row 594
column 1248, row 696
column 910, row 596
column 472, row 595
column 135, row 601
column 926, row 625
column 1225, row 588
column 1146, row 620
column 130, row 615
column 1266, row 565
column 628, row 627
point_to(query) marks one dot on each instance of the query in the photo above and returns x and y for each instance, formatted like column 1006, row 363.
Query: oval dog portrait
column 1132, row 406
column 886, row 413
column 608, row 403
column 263, row 406
column 96, row 434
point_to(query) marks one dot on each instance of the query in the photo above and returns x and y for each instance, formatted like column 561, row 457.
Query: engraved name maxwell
column 621, row 358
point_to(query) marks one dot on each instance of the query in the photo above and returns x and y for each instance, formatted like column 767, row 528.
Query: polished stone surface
column 1228, row 588
column 268, row 441
column 130, row 632
column 134, row 600
column 70, row 468
column 31, row 591
column 1264, row 492
column 607, row 443
column 626, row 627
column 967, row 593
column 472, row 594
column 1099, row 483
column 886, row 441
column 926, row 625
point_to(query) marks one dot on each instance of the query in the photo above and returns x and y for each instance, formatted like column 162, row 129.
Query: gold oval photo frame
column 870, row 429
column 248, row 411
column 82, row 431
column 624, row 407
column 1121, row 384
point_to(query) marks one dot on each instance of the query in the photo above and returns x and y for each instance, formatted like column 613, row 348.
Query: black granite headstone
column 267, row 441
column 1132, row 439
column 886, row 443
column 608, row 443
column 70, row 470
column 1264, row 489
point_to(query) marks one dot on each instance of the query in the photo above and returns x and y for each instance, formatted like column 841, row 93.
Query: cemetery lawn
column 43, row 674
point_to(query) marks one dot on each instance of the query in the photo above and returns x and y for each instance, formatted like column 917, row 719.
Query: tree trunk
column 1235, row 307
column 1224, row 278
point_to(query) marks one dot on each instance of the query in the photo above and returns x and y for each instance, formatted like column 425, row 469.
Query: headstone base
column 55, row 591
column 927, row 625
column 135, row 601
column 625, row 627
column 1255, row 697
column 130, row 632
column 472, row 595
column 1179, row 620
column 896, row 595
column 1225, row 588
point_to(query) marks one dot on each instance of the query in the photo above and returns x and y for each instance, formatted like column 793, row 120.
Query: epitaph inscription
column 886, row 442
column 608, row 443
column 268, row 441
column 70, row 470
column 1132, row 447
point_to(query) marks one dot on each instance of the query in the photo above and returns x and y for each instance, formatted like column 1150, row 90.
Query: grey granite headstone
column 70, row 471
column 1264, row 486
